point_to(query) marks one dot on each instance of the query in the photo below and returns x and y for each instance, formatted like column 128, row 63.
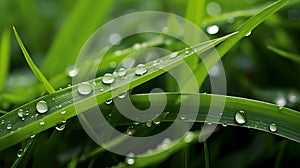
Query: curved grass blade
column 208, row 62
column 61, row 104
column 25, row 155
column 290, row 56
column 4, row 58
column 32, row 65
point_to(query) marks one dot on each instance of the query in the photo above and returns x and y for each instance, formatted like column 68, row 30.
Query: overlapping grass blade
column 32, row 65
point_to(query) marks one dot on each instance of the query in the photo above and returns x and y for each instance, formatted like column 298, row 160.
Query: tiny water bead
column 137, row 46
column 149, row 124
column 130, row 159
column 189, row 136
column 140, row 69
column 248, row 34
column 273, row 127
column 42, row 123
column 32, row 136
column 214, row 29
column 186, row 51
column 84, row 88
column 122, row 95
column 9, row 127
column 157, row 120
column 109, row 101
column 121, row 72
column 182, row 116
column 42, row 106
column 240, row 117
column 63, row 112
column 61, row 126
column 72, row 71
column 130, row 130
column 20, row 152
column 108, row 78
column 21, row 113
column 2, row 122
column 173, row 55
column 165, row 144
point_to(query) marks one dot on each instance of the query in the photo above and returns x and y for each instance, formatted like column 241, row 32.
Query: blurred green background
column 252, row 71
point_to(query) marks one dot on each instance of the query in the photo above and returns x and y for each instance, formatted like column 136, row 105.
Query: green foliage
column 54, row 33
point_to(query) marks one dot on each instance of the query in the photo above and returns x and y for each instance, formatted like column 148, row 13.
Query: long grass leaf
column 288, row 55
column 32, row 65
column 4, row 58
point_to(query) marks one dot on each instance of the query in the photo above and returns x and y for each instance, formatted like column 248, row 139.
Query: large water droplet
column 214, row 29
column 273, row 127
column 240, row 117
column 140, row 69
column 84, row 88
column 108, row 78
column 21, row 113
column 122, row 72
column 42, row 106
column 130, row 130
column 130, row 159
column 9, row 127
column 20, row 152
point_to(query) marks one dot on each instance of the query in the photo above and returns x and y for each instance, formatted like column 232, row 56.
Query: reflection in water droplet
column 273, row 127
column 240, row 117
column 108, row 78
column 42, row 106
column 214, row 29
column 140, row 69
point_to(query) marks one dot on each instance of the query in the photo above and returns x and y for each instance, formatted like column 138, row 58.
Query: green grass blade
column 4, row 58
column 84, row 18
column 27, row 151
column 31, row 125
column 195, row 11
column 247, row 27
column 288, row 55
column 32, row 65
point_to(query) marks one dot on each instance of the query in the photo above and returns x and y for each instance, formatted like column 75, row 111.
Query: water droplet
column 173, row 55
column 72, row 71
column 140, row 69
column 61, row 126
column 230, row 20
column 292, row 98
column 214, row 29
column 280, row 101
column 130, row 159
column 32, row 136
column 115, row 38
column 189, row 136
column 63, row 112
column 122, row 95
column 273, row 127
column 109, row 101
column 165, row 144
column 26, row 113
column 42, row 123
column 108, row 78
column 165, row 29
column 58, row 106
column 2, row 122
column 248, row 34
column 122, row 72
column 186, row 51
column 157, row 120
column 182, row 116
column 149, row 124
column 112, row 64
column 137, row 46
column 240, row 117
column 135, row 122
column 224, row 125
column 84, row 88
column 20, row 152
column 130, row 130
column 42, row 106
column 21, row 113
column 9, row 127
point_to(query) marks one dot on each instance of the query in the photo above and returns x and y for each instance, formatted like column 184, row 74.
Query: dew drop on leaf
column 140, row 69
column 84, row 88
column 20, row 152
column 9, row 127
column 42, row 123
column 173, row 55
column 214, row 29
column 72, row 71
column 108, row 79
column 182, row 116
column 189, row 136
column 21, row 113
column 148, row 124
column 130, row 159
column 122, row 72
column 122, row 95
column 130, row 130
column 273, row 127
column 42, row 106
column 240, row 117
